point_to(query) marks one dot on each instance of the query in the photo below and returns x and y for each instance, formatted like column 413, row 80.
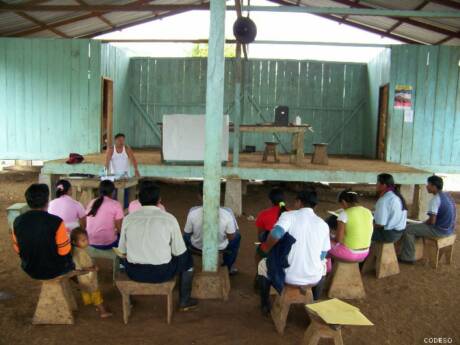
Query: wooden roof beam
column 130, row 7
column 99, row 15
column 419, row 7
column 448, row 3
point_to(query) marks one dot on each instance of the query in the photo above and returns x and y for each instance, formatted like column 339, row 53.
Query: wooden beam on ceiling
column 448, row 3
column 410, row 21
column 61, row 22
column 373, row 30
column 131, row 7
column 419, row 7
column 98, row 15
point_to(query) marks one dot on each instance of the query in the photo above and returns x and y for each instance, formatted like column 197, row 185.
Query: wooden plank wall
column 49, row 98
column 115, row 65
column 330, row 96
column 432, row 140
column 378, row 75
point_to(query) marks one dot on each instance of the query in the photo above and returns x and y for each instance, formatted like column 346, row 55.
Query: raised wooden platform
column 251, row 167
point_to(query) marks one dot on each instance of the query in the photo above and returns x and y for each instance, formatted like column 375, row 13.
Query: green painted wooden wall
column 115, row 65
column 378, row 75
column 432, row 140
column 49, row 98
column 332, row 97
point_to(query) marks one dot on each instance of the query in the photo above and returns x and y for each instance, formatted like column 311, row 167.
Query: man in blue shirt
column 442, row 215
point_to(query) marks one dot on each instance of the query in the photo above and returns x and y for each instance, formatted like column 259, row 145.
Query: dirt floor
column 416, row 304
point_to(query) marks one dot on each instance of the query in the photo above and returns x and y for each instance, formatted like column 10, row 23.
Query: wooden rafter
column 448, row 3
column 399, row 22
column 62, row 22
column 348, row 22
column 410, row 21
column 98, row 15
column 100, row 8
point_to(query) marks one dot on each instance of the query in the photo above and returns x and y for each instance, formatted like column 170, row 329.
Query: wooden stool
column 270, row 149
column 382, row 258
column 318, row 329
column 436, row 247
column 129, row 287
column 108, row 254
column 346, row 281
column 419, row 244
column 291, row 295
column 56, row 302
column 320, row 154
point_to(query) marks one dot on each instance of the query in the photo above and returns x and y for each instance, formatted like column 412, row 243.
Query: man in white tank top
column 119, row 157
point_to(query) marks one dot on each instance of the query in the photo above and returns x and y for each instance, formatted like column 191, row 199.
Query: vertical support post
column 237, row 107
column 213, row 135
column 420, row 203
column 233, row 195
column 50, row 180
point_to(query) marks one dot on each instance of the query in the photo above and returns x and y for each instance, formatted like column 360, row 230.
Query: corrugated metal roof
column 90, row 24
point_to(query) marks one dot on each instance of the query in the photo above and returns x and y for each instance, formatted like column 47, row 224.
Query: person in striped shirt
column 41, row 239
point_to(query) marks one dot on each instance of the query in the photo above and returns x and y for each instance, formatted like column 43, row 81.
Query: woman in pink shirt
column 69, row 210
column 104, row 218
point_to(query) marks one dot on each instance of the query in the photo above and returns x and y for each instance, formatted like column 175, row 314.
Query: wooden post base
column 290, row 295
column 346, row 281
column 382, row 258
column 211, row 285
column 270, row 149
column 56, row 302
column 435, row 248
column 129, row 287
column 318, row 330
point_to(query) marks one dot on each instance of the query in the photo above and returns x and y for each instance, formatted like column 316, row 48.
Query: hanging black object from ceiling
column 245, row 30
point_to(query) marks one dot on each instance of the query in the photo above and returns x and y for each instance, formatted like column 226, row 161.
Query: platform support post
column 233, row 195
column 420, row 204
column 407, row 191
column 50, row 180
column 213, row 134
column 237, row 107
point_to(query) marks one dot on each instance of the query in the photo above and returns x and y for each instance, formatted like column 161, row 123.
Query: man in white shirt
column 306, row 256
column 155, row 251
column 229, row 236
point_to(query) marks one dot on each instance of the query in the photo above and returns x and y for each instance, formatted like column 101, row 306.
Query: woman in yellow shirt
column 354, row 229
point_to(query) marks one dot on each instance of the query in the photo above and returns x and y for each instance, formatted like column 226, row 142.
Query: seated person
column 41, row 239
column 69, row 210
column 442, row 215
column 354, row 229
column 135, row 205
column 88, row 283
column 155, row 251
column 104, row 219
column 228, row 235
column 267, row 218
column 390, row 214
column 308, row 250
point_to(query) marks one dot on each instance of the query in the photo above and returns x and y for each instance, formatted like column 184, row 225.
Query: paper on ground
column 414, row 221
column 337, row 312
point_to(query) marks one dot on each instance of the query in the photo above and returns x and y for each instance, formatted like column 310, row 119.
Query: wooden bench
column 270, row 149
column 318, row 329
column 382, row 258
column 56, row 301
column 128, row 288
column 108, row 254
column 320, row 154
column 291, row 294
column 435, row 248
column 346, row 282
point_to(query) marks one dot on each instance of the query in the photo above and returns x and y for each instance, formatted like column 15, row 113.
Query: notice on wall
column 403, row 97
column 408, row 115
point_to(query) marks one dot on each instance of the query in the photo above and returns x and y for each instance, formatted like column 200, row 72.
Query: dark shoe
column 185, row 292
column 264, row 285
column 192, row 304
column 406, row 261
column 233, row 271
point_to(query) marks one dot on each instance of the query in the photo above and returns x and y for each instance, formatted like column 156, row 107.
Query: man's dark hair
column 119, row 135
column 308, row 198
column 149, row 194
column 436, row 181
column 37, row 195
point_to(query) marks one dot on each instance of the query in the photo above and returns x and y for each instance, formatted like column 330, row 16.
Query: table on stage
column 297, row 131
column 85, row 189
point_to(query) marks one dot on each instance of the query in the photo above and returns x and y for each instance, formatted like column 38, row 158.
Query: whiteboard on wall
column 184, row 138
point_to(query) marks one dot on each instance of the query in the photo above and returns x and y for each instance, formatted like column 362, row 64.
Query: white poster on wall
column 184, row 138
column 408, row 115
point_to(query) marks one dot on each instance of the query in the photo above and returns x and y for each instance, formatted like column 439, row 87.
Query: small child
column 90, row 292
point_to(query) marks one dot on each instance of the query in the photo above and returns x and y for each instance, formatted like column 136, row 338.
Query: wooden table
column 84, row 189
column 298, row 135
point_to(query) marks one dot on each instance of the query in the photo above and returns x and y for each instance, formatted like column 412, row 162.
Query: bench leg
column 387, row 262
column 280, row 313
column 311, row 335
column 53, row 308
column 431, row 253
column 115, row 268
column 169, row 311
column 449, row 254
column 69, row 294
column 126, row 304
column 369, row 263
column 338, row 338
